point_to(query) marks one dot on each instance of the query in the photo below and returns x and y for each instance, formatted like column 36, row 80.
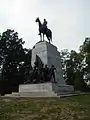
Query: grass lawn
column 71, row 108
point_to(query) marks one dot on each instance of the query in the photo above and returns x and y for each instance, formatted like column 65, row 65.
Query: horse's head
column 37, row 19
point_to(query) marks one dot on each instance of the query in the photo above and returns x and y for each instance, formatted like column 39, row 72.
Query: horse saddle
column 44, row 28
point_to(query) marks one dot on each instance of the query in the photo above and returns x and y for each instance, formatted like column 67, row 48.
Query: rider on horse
column 44, row 25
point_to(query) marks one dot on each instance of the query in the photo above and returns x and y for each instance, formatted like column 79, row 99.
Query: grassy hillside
column 71, row 108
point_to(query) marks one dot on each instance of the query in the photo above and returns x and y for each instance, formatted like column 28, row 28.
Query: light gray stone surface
column 38, row 90
column 44, row 90
column 35, row 87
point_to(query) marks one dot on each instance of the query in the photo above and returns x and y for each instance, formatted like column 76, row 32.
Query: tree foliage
column 85, row 51
column 13, row 57
column 76, row 65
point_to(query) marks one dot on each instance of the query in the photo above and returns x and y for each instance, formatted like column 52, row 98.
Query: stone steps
column 33, row 94
column 39, row 94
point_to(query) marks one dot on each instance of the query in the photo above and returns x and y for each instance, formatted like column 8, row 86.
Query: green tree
column 73, row 70
column 78, row 70
column 66, row 65
column 27, row 65
column 12, row 57
column 85, row 51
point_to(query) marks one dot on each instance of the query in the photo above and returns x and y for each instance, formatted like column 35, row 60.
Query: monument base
column 44, row 90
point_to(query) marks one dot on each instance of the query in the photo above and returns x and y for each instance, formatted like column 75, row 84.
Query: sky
column 69, row 20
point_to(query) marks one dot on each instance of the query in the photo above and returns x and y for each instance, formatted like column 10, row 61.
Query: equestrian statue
column 43, row 30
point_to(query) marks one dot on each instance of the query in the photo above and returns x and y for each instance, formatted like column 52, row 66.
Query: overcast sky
column 69, row 20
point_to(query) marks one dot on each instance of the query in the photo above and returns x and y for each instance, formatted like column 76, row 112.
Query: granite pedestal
column 44, row 90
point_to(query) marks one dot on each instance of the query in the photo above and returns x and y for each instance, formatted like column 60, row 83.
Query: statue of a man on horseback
column 44, row 30
column 45, row 24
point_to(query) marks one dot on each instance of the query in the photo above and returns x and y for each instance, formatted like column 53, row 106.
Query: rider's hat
column 44, row 19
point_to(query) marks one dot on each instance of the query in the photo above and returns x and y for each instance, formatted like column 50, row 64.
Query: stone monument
column 49, row 55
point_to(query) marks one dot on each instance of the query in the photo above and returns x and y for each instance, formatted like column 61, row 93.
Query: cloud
column 66, row 19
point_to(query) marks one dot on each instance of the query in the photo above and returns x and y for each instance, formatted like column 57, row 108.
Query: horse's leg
column 43, row 36
column 40, row 36
column 48, row 39
column 49, row 35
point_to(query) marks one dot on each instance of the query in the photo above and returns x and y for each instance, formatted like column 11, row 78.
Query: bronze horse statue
column 44, row 31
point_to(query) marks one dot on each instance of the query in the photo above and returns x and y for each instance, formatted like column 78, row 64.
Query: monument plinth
column 49, row 55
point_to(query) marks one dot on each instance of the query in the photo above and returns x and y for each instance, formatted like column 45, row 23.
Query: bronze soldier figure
column 46, row 73
column 52, row 73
